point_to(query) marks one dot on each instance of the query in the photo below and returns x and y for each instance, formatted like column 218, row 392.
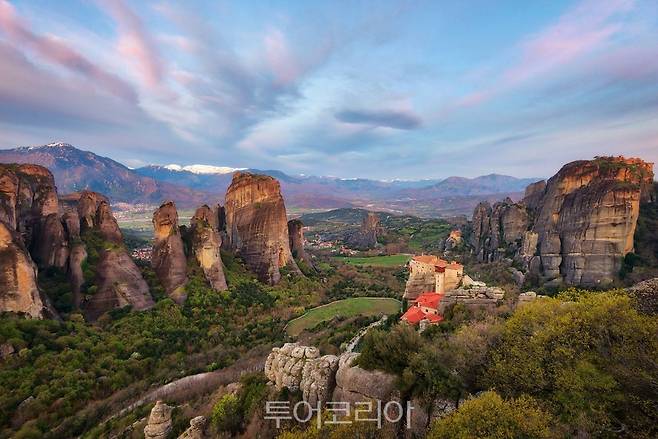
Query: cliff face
column 206, row 244
column 366, row 237
column 168, row 259
column 118, row 281
column 296, row 237
column 256, row 225
column 18, row 277
column 497, row 228
column 575, row 228
column 28, row 209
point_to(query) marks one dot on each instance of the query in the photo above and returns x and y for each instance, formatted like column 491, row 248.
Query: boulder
column 206, row 244
column 256, row 225
column 168, row 258
column 284, row 366
column 354, row 384
column 196, row 428
column 159, row 424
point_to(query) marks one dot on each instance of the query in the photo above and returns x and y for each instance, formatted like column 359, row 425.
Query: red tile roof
column 413, row 315
column 429, row 300
column 428, row 259
column 434, row 318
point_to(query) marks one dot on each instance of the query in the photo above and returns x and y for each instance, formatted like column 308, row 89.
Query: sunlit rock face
column 30, row 230
column 256, row 225
column 206, row 244
column 168, row 259
column 575, row 228
column 18, row 277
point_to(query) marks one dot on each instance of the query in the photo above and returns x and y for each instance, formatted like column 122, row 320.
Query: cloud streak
column 398, row 120
column 58, row 52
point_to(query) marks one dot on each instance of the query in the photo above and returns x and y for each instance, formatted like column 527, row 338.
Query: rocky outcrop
column 473, row 297
column 499, row 229
column 319, row 379
column 366, row 237
column 18, row 277
column 159, row 423
column 206, row 244
column 168, row 259
column 354, row 384
column 118, row 281
column 296, row 238
column 256, row 225
column 575, row 228
column 52, row 247
column 285, row 365
column 196, row 428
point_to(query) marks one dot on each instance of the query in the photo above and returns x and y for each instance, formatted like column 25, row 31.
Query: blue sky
column 379, row 89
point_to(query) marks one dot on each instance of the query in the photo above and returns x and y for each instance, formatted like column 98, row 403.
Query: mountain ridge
column 190, row 185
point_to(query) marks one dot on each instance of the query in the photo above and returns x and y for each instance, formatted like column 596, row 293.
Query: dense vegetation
column 580, row 364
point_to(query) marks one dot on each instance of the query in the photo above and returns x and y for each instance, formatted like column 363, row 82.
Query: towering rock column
column 256, row 225
column 206, row 244
column 296, row 237
column 168, row 259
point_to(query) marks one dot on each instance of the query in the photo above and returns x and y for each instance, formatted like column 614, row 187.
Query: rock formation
column 196, row 428
column 18, row 277
column 168, row 259
column 319, row 379
column 36, row 228
column 206, row 244
column 575, row 228
column 159, row 423
column 296, row 237
column 354, row 384
column 256, row 225
column 366, row 237
column 29, row 230
column 284, row 366
column 497, row 228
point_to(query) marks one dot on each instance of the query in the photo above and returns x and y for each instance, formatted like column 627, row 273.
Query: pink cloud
column 280, row 59
column 579, row 31
column 136, row 43
column 53, row 50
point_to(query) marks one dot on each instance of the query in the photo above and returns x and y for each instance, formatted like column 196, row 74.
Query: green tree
column 226, row 414
column 390, row 351
column 489, row 416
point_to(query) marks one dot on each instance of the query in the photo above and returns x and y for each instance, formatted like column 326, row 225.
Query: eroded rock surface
column 18, row 276
column 575, row 228
column 196, row 428
column 159, row 423
column 285, row 365
column 354, row 384
column 319, row 379
column 256, row 225
column 206, row 245
column 296, row 236
column 168, row 259
column 366, row 237
column 646, row 296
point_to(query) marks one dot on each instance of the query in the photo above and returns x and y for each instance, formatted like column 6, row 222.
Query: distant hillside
column 190, row 186
column 75, row 170
column 484, row 185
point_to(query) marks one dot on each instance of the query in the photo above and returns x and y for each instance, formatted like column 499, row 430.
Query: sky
column 374, row 89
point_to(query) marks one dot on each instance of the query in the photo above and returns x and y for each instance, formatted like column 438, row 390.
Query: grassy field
column 378, row 261
column 363, row 306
